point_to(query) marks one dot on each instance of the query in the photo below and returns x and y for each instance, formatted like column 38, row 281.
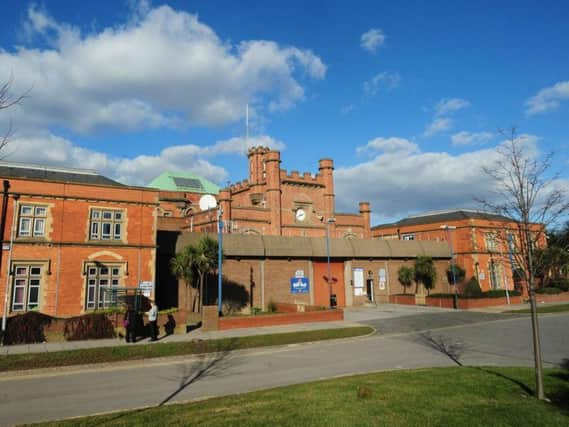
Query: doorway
column 323, row 290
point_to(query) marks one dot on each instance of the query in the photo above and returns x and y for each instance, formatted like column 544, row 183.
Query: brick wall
column 66, row 246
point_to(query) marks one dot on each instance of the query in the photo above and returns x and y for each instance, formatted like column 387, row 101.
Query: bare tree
column 7, row 100
column 525, row 191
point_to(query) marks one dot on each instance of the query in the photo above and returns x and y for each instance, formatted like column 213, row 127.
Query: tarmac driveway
column 390, row 319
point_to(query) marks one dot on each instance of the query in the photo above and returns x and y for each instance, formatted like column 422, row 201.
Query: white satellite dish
column 207, row 202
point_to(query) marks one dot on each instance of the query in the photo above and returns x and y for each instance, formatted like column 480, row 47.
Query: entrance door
column 322, row 289
column 369, row 289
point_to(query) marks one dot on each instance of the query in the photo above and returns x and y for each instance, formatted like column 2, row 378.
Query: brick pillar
column 365, row 212
column 273, row 190
column 210, row 318
column 326, row 170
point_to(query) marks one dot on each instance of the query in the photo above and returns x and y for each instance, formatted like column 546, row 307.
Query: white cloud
column 391, row 145
column 438, row 125
column 548, row 99
column 161, row 68
column 401, row 179
column 139, row 170
column 371, row 40
column 385, row 80
column 471, row 138
column 448, row 106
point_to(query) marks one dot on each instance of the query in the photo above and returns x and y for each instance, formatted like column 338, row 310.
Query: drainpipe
column 7, row 288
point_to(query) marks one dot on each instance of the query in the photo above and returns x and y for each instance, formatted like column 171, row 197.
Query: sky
column 407, row 97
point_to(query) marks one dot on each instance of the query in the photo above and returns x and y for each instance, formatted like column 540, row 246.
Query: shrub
column 89, row 326
column 27, row 328
column 441, row 295
column 499, row 293
column 458, row 276
column 562, row 284
column 472, row 288
column 272, row 307
column 549, row 291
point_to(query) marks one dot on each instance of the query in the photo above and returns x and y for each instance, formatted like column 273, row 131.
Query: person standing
column 153, row 319
column 130, row 324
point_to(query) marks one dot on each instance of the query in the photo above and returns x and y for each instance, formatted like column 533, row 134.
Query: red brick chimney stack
column 326, row 169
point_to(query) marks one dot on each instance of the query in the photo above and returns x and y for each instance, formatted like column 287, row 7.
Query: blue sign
column 299, row 285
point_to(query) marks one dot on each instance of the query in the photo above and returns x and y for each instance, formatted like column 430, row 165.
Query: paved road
column 57, row 394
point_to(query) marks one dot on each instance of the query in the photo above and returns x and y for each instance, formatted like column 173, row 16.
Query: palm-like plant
column 181, row 266
column 425, row 272
column 204, row 261
column 405, row 276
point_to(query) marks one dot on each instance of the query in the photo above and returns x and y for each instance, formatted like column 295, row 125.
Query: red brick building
column 69, row 234
column 273, row 202
column 258, row 270
column 478, row 241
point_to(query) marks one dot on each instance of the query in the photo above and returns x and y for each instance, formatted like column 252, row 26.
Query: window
column 101, row 279
column 26, row 290
column 106, row 224
column 32, row 221
column 491, row 241
column 408, row 237
column 495, row 271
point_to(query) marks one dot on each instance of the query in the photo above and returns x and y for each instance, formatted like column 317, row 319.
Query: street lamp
column 329, row 276
column 452, row 265
column 219, row 257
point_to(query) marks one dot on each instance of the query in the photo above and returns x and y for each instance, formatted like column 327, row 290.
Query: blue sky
column 406, row 97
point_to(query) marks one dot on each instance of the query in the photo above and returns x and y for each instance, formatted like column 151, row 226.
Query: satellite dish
column 207, row 202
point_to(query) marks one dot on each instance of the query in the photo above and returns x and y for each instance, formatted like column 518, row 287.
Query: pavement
column 386, row 318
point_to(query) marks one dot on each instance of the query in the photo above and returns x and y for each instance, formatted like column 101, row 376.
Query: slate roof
column 183, row 181
column 443, row 216
column 54, row 174
column 241, row 245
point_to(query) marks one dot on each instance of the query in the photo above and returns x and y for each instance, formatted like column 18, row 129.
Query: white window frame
column 106, row 224
column 35, row 218
column 26, row 280
column 491, row 241
column 99, row 277
column 410, row 236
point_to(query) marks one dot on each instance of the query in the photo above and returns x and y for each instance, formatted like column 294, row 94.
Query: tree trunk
column 200, row 305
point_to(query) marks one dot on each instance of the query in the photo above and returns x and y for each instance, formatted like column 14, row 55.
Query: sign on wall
column 382, row 278
column 147, row 288
column 358, row 281
column 299, row 285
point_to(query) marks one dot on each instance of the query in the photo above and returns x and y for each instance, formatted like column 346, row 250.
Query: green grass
column 544, row 309
column 461, row 396
column 138, row 352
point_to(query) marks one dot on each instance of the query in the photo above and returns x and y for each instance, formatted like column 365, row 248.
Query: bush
column 272, row 307
column 87, row 327
column 472, row 289
column 500, row 293
column 562, row 284
column 27, row 328
column 441, row 295
column 549, row 291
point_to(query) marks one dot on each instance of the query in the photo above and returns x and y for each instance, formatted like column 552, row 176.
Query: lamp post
column 329, row 275
column 219, row 257
column 8, row 269
column 452, row 265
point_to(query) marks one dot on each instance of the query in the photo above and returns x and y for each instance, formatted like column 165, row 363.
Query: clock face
column 300, row 215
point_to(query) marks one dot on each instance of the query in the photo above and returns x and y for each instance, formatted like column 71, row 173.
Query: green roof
column 183, row 181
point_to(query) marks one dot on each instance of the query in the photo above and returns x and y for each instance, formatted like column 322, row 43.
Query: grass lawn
column 137, row 352
column 461, row 396
column 544, row 309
